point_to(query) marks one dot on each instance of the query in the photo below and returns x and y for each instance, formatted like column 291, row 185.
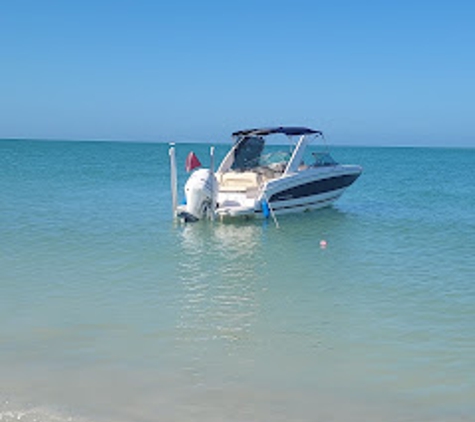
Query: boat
column 256, row 179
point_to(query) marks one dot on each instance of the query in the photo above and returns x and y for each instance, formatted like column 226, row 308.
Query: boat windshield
column 275, row 157
column 248, row 153
column 323, row 159
column 251, row 155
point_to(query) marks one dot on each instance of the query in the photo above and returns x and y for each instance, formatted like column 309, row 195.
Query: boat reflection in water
column 221, row 293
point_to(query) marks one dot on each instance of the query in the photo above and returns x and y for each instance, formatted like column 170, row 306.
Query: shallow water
column 111, row 311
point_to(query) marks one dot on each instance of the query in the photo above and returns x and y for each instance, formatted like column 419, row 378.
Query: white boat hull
column 301, row 192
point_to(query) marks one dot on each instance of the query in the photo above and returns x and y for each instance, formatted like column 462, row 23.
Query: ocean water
column 111, row 311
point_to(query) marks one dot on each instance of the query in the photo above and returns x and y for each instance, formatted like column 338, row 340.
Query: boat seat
column 238, row 181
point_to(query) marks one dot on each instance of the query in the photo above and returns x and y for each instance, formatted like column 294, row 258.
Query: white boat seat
column 238, row 181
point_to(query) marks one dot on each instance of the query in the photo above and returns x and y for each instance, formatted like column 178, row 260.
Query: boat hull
column 300, row 192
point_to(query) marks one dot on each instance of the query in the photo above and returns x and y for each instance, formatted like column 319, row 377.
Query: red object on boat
column 192, row 161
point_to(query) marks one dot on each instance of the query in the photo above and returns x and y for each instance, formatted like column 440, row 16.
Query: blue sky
column 364, row 72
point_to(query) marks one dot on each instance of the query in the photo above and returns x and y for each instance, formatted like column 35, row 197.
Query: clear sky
column 364, row 72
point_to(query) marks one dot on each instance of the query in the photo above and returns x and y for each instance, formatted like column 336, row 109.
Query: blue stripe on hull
column 318, row 187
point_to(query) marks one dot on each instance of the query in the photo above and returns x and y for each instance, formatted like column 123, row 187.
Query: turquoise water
column 110, row 311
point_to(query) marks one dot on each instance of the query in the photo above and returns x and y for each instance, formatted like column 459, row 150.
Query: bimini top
column 288, row 130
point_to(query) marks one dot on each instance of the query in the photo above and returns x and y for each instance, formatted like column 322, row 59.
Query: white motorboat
column 257, row 180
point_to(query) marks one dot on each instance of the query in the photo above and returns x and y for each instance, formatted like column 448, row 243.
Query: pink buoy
column 323, row 244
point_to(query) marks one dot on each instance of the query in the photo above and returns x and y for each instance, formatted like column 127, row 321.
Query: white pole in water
column 173, row 179
column 213, row 198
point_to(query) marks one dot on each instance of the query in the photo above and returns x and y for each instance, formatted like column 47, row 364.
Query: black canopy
column 288, row 130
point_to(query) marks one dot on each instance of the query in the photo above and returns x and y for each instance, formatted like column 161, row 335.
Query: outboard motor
column 200, row 189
